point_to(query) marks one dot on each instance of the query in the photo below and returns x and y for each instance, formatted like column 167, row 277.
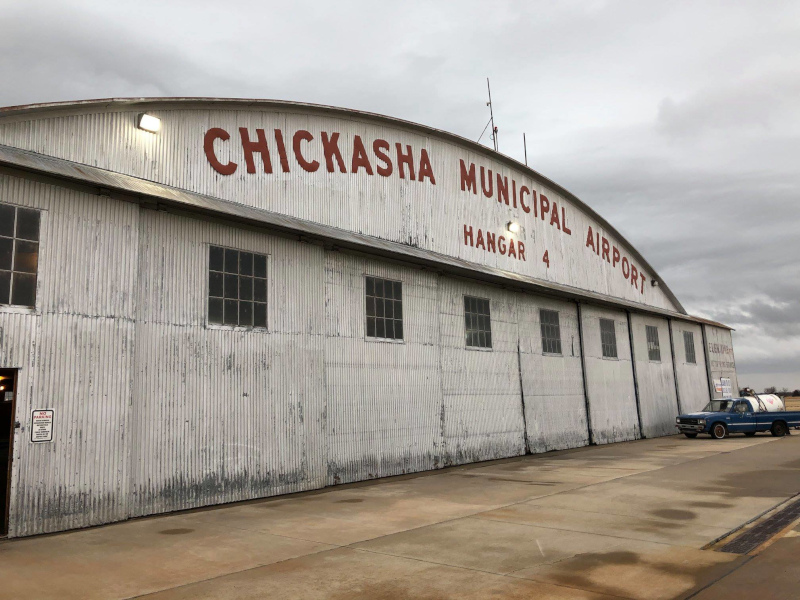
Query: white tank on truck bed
column 766, row 403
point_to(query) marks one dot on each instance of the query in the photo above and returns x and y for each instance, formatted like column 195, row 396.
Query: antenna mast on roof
column 491, row 115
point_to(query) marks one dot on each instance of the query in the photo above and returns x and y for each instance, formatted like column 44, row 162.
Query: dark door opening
column 8, row 395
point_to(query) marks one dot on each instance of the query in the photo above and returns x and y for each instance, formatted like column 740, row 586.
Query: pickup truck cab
column 736, row 415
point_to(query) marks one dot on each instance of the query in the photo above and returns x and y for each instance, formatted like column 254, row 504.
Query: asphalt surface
column 619, row 521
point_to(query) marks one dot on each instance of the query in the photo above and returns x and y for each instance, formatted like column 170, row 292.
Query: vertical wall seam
column 584, row 372
column 635, row 378
column 674, row 367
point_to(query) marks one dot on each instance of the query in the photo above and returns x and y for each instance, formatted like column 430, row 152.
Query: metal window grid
column 384, row 300
column 478, row 322
column 19, row 255
column 653, row 347
column 237, row 288
column 608, row 338
column 551, row 331
column 688, row 344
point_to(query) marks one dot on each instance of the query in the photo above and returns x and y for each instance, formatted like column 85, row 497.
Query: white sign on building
column 42, row 426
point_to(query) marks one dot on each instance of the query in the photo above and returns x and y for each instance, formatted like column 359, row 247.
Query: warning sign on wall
column 727, row 388
column 42, row 426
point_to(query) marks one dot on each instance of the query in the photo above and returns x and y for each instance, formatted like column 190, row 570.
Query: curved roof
column 24, row 112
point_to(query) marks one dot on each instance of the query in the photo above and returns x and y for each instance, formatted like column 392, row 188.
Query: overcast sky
column 677, row 121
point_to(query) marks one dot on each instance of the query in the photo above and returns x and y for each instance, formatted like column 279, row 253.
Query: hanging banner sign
column 42, row 426
column 727, row 389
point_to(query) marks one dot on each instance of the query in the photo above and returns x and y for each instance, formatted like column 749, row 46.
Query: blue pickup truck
column 736, row 415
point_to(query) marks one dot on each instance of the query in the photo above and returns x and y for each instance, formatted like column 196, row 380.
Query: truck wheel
column 749, row 433
column 779, row 429
column 719, row 431
column 690, row 435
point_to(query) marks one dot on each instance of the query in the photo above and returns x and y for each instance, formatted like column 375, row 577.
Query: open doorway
column 8, row 396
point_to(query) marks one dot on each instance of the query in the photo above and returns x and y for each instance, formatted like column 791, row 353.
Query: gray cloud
column 676, row 121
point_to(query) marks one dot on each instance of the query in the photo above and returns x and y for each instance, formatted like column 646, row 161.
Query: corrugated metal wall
column 156, row 411
column 612, row 397
column 555, row 406
column 720, row 357
column 658, row 400
column 692, row 377
column 421, row 214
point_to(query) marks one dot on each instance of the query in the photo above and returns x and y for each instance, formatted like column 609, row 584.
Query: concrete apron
column 626, row 520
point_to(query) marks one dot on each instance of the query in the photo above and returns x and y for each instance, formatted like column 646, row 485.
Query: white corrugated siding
column 157, row 411
column 657, row 396
column 421, row 214
column 555, row 405
column 612, row 399
column 692, row 377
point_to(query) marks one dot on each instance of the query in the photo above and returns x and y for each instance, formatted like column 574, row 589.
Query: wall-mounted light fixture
column 149, row 123
column 512, row 226
column 654, row 282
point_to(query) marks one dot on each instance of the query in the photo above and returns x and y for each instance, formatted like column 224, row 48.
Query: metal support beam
column 674, row 367
column 635, row 378
column 583, row 372
column 708, row 361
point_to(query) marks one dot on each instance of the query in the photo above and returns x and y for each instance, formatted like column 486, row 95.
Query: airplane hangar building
column 205, row 301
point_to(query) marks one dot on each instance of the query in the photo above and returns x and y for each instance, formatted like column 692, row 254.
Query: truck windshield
column 718, row 406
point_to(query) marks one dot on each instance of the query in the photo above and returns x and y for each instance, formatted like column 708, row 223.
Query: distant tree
column 770, row 390
column 796, row 393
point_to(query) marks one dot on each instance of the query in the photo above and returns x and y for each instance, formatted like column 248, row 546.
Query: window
column 384, row 309
column 608, row 338
column 653, row 347
column 237, row 288
column 19, row 255
column 478, row 322
column 688, row 345
column 551, row 331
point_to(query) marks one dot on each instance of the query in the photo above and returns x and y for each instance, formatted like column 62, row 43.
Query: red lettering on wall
column 634, row 276
column 260, row 146
column 522, row 191
column 512, row 251
column 626, row 267
column 405, row 159
column 491, row 240
column 468, row 178
column 301, row 136
column 605, row 250
column 642, row 277
column 502, row 189
column 590, row 239
column 212, row 135
column 614, row 257
column 488, row 193
column 501, row 245
column 554, row 216
column 544, row 205
column 360, row 159
column 514, row 192
column 564, row 227
column 425, row 168
column 330, row 146
column 521, row 248
column 381, row 149
column 282, row 151
column 468, row 235
column 479, row 240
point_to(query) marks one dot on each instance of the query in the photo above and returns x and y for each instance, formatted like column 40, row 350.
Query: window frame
column 613, row 344
column 688, row 336
column 367, row 316
column 478, row 314
column 557, row 325
column 653, row 343
column 230, row 327
column 10, row 307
